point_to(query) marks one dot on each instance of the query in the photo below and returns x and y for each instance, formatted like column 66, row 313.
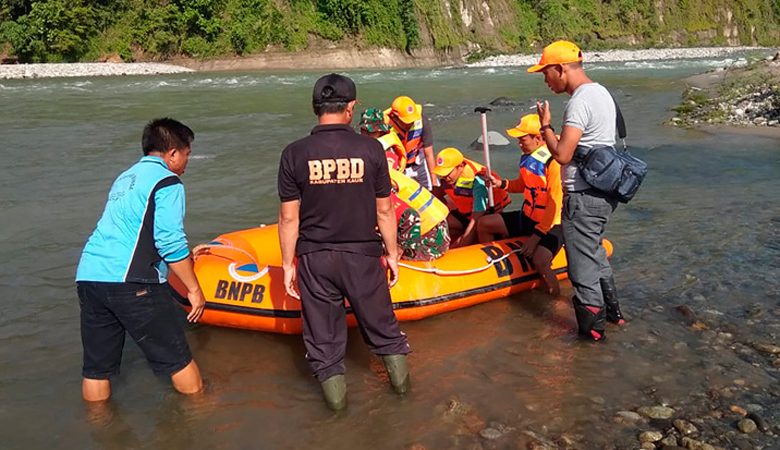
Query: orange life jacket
column 462, row 194
column 411, row 138
column 533, row 171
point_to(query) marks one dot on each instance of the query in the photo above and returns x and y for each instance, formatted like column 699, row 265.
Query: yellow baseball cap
column 405, row 109
column 446, row 160
column 529, row 124
column 559, row 52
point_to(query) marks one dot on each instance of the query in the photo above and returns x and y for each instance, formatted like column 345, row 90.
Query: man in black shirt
column 334, row 186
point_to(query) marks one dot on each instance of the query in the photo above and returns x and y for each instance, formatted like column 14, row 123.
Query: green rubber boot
column 334, row 389
column 398, row 372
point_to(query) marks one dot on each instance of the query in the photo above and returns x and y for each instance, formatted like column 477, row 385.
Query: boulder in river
column 494, row 139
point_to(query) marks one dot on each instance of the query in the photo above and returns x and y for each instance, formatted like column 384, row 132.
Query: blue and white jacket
column 142, row 228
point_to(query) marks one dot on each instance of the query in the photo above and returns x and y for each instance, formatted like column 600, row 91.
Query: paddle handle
column 486, row 150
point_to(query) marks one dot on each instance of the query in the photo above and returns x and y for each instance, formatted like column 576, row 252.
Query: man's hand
column 290, row 283
column 392, row 266
column 490, row 180
column 543, row 109
column 198, row 302
column 529, row 246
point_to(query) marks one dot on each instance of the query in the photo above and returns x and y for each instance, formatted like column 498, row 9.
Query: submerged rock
column 627, row 417
column 767, row 348
column 650, row 436
column 747, row 426
column 685, row 427
column 490, row 433
column 656, row 412
column 506, row 101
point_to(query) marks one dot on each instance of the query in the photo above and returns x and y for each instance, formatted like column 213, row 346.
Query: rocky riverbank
column 19, row 71
column 651, row 54
column 746, row 97
column 343, row 59
column 738, row 411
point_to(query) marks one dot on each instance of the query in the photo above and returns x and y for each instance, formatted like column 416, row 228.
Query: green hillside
column 86, row 30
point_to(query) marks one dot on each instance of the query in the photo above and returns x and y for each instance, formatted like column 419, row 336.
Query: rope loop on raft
column 437, row 271
column 204, row 249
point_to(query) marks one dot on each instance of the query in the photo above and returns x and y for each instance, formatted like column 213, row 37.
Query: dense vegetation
column 72, row 30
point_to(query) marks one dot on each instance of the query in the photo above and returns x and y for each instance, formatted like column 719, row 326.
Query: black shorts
column 460, row 217
column 146, row 311
column 518, row 224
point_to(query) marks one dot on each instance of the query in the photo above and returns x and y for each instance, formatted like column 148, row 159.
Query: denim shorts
column 146, row 311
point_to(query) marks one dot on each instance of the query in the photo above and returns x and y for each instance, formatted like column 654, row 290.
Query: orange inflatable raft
column 241, row 276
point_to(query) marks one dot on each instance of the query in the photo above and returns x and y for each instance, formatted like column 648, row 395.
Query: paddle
column 486, row 148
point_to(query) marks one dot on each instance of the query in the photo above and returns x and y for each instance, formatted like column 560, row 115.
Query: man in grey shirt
column 589, row 121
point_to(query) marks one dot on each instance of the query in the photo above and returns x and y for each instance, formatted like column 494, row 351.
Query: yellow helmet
column 406, row 109
column 446, row 160
column 529, row 124
column 559, row 52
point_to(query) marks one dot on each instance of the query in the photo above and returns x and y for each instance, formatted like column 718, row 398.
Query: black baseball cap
column 334, row 88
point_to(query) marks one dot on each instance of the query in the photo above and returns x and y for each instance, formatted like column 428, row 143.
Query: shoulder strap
column 621, row 123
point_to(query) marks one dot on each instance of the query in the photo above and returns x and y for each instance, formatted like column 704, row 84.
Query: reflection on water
column 703, row 232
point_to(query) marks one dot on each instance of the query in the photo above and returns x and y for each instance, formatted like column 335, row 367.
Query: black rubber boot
column 334, row 389
column 609, row 292
column 591, row 320
column 398, row 372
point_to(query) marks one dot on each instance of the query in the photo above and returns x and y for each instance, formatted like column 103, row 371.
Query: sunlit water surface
column 703, row 231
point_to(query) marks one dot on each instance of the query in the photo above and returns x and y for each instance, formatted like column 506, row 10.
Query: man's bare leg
column 490, row 226
column 542, row 260
column 95, row 390
column 188, row 380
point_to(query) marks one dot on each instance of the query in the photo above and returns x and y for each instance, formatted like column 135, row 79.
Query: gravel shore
column 18, row 71
column 22, row 71
column 622, row 55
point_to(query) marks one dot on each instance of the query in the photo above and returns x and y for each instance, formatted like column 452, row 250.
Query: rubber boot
column 398, row 372
column 591, row 320
column 334, row 389
column 609, row 291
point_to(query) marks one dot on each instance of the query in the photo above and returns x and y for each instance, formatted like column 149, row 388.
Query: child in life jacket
column 423, row 234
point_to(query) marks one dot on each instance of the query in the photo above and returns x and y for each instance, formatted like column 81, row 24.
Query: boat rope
column 205, row 249
column 437, row 271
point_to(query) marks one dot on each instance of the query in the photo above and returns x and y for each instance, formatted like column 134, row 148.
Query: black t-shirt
column 337, row 175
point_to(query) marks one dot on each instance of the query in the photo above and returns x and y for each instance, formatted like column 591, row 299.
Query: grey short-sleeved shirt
column 592, row 110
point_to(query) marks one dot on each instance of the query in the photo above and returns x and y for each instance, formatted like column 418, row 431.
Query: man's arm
column 289, row 217
column 562, row 149
column 171, row 244
column 430, row 163
column 478, row 209
column 388, row 228
column 427, row 143
column 185, row 271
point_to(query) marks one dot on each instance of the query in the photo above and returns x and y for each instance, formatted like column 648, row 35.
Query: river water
column 699, row 245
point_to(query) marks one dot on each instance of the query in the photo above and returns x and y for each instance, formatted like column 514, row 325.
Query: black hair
column 161, row 135
column 329, row 108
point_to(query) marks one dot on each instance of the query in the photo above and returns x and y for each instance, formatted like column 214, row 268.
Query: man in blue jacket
column 121, row 278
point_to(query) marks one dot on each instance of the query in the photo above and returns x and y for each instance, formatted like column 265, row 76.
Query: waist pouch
column 615, row 173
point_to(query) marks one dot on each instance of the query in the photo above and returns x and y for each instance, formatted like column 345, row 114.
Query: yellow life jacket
column 431, row 209
column 394, row 148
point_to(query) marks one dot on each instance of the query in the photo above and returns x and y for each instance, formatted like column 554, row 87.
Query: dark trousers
column 325, row 279
column 585, row 216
